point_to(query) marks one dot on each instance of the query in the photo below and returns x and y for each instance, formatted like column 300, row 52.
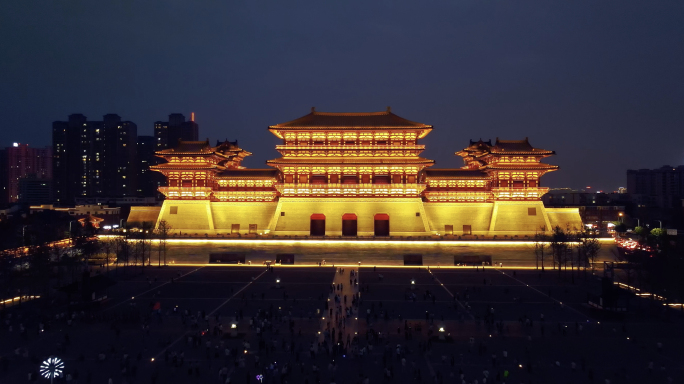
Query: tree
column 163, row 231
column 541, row 246
column 123, row 250
column 107, row 245
column 620, row 227
column 658, row 232
column 146, row 240
column 39, row 259
column 87, row 247
column 641, row 231
column 588, row 249
column 558, row 243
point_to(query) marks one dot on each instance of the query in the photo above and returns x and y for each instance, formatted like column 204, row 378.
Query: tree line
column 565, row 247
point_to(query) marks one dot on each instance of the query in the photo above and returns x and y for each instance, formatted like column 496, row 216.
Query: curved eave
column 355, row 160
column 428, row 177
column 161, row 167
column 523, row 167
column 164, row 153
column 278, row 130
column 539, row 153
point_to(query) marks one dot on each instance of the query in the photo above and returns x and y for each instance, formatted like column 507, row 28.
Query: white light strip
column 341, row 241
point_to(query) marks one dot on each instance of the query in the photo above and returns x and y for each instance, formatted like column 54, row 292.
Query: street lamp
column 277, row 282
column 442, row 332
column 661, row 224
column 620, row 214
column 413, row 284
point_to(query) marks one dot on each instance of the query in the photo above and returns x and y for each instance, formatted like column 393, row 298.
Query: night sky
column 599, row 82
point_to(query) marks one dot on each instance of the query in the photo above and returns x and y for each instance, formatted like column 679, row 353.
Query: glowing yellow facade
column 352, row 174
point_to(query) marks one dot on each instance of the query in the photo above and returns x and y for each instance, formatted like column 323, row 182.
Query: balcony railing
column 189, row 193
column 398, row 189
column 244, row 195
column 458, row 196
column 531, row 193
column 310, row 147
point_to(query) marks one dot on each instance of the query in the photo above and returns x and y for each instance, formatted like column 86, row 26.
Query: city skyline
column 600, row 84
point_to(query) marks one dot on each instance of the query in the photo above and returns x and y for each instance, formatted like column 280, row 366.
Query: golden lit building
column 356, row 174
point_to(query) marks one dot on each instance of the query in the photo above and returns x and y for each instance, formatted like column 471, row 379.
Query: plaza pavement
column 482, row 313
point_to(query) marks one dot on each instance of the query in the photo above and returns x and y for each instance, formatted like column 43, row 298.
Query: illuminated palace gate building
column 356, row 174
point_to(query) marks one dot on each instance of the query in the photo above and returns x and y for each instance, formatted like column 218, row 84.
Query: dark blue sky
column 600, row 82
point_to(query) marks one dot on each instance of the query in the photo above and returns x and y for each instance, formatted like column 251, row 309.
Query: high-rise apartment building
column 167, row 134
column 20, row 161
column 4, row 179
column 148, row 181
column 33, row 190
column 94, row 158
column 662, row 187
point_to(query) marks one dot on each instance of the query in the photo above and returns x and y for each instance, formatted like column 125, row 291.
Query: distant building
column 661, row 188
column 94, row 158
column 20, row 161
column 4, row 179
column 148, row 181
column 33, row 190
column 109, row 215
column 167, row 134
column 596, row 209
column 117, row 201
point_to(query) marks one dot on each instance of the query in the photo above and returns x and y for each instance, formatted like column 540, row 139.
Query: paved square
column 316, row 324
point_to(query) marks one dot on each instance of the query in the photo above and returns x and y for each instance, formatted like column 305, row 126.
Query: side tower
column 209, row 191
column 192, row 168
column 513, row 166
column 496, row 193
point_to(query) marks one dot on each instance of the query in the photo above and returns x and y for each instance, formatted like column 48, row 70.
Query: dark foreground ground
column 492, row 324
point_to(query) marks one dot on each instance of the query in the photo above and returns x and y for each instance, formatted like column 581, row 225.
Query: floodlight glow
column 233, row 326
column 441, row 329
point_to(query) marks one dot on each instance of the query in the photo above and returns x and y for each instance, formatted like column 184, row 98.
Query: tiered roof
column 228, row 153
column 188, row 148
column 518, row 147
column 350, row 160
column 355, row 121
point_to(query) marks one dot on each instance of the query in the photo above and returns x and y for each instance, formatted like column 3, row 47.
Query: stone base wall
column 408, row 216
column 477, row 215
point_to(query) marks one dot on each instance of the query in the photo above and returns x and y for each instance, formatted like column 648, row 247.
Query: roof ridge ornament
column 389, row 109
column 313, row 109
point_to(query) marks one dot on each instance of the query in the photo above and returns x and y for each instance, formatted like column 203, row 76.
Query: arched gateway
column 349, row 224
column 317, row 225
